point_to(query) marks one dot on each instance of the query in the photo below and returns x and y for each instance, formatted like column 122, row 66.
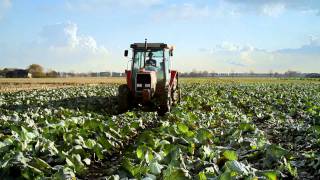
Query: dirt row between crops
column 112, row 164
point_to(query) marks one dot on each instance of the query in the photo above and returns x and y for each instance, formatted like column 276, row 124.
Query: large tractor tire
column 176, row 92
column 124, row 97
column 165, row 103
column 176, row 96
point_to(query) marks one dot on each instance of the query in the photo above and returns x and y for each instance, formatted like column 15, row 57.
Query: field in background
column 17, row 84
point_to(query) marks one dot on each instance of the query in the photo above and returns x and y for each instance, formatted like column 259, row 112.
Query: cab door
column 167, row 63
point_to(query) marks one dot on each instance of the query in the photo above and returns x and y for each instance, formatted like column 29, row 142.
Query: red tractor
column 151, row 79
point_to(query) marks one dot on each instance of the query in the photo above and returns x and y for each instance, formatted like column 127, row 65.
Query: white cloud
column 63, row 43
column 93, row 5
column 233, row 54
column 65, row 36
column 226, row 46
column 4, row 6
column 274, row 8
column 144, row 3
column 184, row 11
column 246, row 55
column 311, row 48
column 314, row 40
column 243, row 58
column 244, row 51
column 61, row 47
column 6, row 3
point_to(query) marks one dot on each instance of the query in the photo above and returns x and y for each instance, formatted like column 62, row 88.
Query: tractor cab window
column 138, row 60
column 153, row 61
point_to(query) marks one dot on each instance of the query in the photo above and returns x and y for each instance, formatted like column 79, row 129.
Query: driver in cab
column 151, row 64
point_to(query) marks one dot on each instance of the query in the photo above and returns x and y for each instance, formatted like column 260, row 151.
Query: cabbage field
column 222, row 129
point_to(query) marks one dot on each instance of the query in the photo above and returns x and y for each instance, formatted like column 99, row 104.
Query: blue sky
column 213, row 35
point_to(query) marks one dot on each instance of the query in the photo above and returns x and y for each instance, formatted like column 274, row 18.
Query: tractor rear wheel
column 176, row 96
column 123, row 97
column 166, row 102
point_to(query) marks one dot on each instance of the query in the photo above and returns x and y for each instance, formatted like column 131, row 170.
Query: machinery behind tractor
column 151, row 81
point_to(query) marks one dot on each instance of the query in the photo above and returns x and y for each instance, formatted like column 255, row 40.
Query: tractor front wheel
column 166, row 102
column 176, row 92
column 123, row 97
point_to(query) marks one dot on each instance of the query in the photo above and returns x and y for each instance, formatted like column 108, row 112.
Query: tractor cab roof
column 150, row 46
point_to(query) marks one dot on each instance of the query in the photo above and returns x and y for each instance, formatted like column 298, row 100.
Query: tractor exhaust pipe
column 145, row 52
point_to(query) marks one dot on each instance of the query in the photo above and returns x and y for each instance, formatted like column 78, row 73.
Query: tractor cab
column 150, row 78
column 150, row 59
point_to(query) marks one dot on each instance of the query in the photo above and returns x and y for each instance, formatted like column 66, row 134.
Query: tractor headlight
column 147, row 85
column 139, row 85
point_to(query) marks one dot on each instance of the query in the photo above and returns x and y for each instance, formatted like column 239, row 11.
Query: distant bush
column 36, row 70
column 313, row 75
column 52, row 74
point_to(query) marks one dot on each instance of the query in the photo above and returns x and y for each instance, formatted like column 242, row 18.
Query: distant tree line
column 92, row 74
column 37, row 71
column 286, row 74
column 32, row 71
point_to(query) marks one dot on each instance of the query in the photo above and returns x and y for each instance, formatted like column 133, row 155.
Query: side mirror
column 126, row 52
column 171, row 52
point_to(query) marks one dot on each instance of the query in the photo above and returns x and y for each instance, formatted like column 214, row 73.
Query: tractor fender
column 173, row 77
column 129, row 82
